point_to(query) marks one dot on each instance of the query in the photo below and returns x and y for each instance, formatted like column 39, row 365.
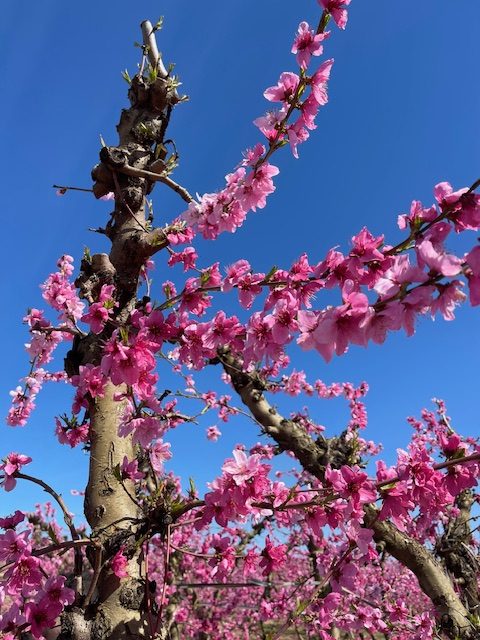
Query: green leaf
column 158, row 25
column 152, row 73
column 87, row 256
column 126, row 76
column 272, row 271
column 52, row 535
column 117, row 473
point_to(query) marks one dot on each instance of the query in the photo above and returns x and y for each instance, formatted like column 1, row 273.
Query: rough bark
column 456, row 550
column 434, row 582
column 313, row 456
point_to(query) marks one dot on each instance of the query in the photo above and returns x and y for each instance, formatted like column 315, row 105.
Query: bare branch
column 150, row 44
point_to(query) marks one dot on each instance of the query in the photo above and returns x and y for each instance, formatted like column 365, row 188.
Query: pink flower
column 242, row 468
column 307, row 44
column 12, row 463
column 473, row 261
column 235, row 273
column 13, row 545
column 318, row 82
column 284, row 90
column 417, row 215
column 249, row 287
column 124, row 362
column 338, row 10
column 10, row 522
column 56, row 592
column 273, row 557
column 187, row 257
column 145, row 429
column 333, row 329
column 213, row 433
column 71, row 434
column 119, row 564
column 462, row 206
column 130, row 470
column 24, row 575
column 353, row 484
column 283, row 320
column 41, row 616
column 400, row 272
column 224, row 331
column 159, row 453
column 224, row 561
column 437, row 259
column 96, row 317
column 449, row 297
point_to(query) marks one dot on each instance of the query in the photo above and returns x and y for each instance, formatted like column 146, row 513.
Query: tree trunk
column 115, row 608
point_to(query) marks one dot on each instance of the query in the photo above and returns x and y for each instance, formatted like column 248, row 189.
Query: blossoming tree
column 334, row 549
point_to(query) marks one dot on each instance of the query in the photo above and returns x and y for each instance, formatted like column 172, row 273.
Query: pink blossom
column 55, row 591
column 235, row 273
column 401, row 272
column 449, row 297
column 159, row 453
column 41, row 616
column 224, row 561
column 462, row 205
column 417, row 215
column 10, row 522
column 96, row 317
column 71, row 434
column 283, row 320
column 249, row 287
column 437, row 259
column 460, row 477
column 259, row 341
column 213, row 433
column 23, row 575
column 338, row 10
column 307, row 44
column 187, row 257
column 473, row 261
column 285, row 90
column 11, row 464
column 61, row 294
column 130, row 470
column 124, row 362
column 119, row 564
column 242, row 468
column 224, row 331
column 273, row 557
column 257, row 186
column 145, row 429
column 353, row 484
column 318, row 82
column 13, row 545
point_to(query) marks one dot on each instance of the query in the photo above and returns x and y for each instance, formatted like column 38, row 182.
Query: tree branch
column 291, row 436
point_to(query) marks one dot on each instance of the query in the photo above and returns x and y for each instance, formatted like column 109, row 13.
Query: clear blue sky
column 402, row 116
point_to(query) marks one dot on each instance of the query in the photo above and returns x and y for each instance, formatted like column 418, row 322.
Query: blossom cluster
column 35, row 600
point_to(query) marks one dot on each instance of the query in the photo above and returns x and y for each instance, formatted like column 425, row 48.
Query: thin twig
column 66, row 516
column 156, row 177
column 165, row 575
column 65, row 189
column 96, row 574
column 151, row 49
